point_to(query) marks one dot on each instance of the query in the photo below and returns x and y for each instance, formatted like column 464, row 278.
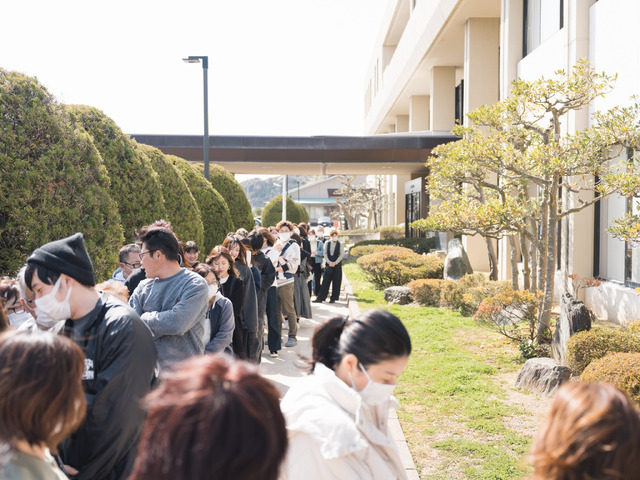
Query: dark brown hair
column 236, row 240
column 591, row 432
column 4, row 321
column 285, row 223
column 267, row 236
column 160, row 238
column 41, row 395
column 214, row 417
column 217, row 252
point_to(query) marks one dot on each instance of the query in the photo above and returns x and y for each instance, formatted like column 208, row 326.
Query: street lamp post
column 205, row 69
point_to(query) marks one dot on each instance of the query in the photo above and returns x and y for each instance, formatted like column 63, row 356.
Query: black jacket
column 120, row 367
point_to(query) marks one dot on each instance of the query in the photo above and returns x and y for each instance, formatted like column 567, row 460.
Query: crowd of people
column 152, row 374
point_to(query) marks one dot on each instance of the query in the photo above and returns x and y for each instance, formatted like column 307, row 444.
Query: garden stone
column 542, row 376
column 399, row 295
column 574, row 317
column 456, row 264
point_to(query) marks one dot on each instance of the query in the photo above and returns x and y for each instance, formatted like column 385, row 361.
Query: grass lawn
column 455, row 410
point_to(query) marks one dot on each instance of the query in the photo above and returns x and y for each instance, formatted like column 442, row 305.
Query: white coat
column 333, row 435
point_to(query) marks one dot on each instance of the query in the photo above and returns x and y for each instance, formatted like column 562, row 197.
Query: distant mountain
column 260, row 191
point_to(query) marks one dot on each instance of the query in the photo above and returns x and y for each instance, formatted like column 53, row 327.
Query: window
column 459, row 103
column 542, row 18
column 632, row 248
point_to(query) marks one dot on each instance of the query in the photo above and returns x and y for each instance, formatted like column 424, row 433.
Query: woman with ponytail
column 337, row 416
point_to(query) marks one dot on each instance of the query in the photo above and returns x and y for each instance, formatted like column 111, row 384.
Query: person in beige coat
column 337, row 416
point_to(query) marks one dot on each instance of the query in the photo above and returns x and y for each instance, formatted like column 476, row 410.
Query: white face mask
column 284, row 236
column 18, row 318
column 312, row 238
column 44, row 320
column 213, row 289
column 48, row 306
column 374, row 393
column 334, row 239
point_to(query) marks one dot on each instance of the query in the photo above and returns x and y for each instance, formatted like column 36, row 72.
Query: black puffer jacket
column 120, row 367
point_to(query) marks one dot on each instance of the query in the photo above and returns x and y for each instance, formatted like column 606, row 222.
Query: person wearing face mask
column 13, row 307
column 35, row 322
column 120, row 358
column 220, row 321
column 286, row 267
column 333, row 255
column 337, row 416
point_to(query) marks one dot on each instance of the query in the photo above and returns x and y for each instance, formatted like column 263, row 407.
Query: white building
column 436, row 60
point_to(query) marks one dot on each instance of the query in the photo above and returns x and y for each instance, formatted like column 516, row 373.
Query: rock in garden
column 574, row 317
column 542, row 376
column 457, row 264
column 399, row 295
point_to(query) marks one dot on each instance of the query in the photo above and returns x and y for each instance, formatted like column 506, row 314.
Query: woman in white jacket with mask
column 337, row 416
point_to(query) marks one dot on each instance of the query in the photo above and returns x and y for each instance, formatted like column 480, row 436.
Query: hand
column 69, row 470
column 278, row 269
column 278, row 247
column 332, row 264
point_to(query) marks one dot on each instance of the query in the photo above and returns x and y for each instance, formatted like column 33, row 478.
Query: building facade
column 436, row 60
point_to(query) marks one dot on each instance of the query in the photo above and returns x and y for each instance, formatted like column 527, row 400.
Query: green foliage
column 358, row 250
column 584, row 347
column 426, row 291
column 398, row 266
column 182, row 210
column 227, row 186
column 418, row 245
column 388, row 233
column 620, row 369
column 134, row 184
column 453, row 293
column 303, row 213
column 513, row 314
column 214, row 212
column 272, row 212
column 52, row 180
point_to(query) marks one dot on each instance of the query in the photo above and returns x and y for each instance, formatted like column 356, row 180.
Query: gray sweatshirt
column 174, row 308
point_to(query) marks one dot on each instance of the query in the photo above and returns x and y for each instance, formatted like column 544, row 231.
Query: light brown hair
column 592, row 432
column 41, row 395
column 220, row 251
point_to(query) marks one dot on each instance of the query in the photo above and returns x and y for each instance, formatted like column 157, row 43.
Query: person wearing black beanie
column 120, row 356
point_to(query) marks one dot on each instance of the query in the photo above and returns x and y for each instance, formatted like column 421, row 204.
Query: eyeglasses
column 136, row 264
column 16, row 309
column 142, row 254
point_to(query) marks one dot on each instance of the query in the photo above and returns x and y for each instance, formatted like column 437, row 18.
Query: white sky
column 293, row 67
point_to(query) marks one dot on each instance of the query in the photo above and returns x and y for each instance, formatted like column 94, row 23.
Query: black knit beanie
column 68, row 256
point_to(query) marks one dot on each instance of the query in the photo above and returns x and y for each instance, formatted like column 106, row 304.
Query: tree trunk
column 526, row 274
column 515, row 275
column 544, row 315
column 533, row 256
column 493, row 260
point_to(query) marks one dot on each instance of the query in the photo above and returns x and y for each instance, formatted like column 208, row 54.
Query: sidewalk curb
column 394, row 424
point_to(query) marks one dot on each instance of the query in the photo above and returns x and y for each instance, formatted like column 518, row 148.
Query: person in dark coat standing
column 120, row 358
column 333, row 255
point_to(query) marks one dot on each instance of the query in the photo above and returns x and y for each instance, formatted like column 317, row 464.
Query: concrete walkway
column 290, row 365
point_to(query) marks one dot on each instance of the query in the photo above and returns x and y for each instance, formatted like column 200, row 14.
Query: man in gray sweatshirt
column 172, row 300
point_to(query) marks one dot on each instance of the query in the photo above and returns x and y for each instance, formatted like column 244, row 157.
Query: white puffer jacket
column 333, row 435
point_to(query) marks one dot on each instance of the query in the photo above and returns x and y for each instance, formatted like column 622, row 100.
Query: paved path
column 290, row 365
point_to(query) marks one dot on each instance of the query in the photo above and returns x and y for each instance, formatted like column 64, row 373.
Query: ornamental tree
column 515, row 173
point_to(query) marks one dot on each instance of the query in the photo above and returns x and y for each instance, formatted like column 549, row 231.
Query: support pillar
column 419, row 113
column 442, row 109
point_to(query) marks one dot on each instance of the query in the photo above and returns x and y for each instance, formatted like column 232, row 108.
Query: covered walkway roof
column 389, row 154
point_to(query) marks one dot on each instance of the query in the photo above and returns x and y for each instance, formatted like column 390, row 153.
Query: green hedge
column 418, row 245
column 227, row 186
column 272, row 212
column 586, row 346
column 619, row 369
column 214, row 211
column 52, row 180
column 426, row 291
column 134, row 184
column 182, row 209
column 391, row 232
column 398, row 266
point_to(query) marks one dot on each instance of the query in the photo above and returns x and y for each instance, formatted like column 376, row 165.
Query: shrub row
column 620, row 369
column 398, row 266
column 418, row 245
column 585, row 347
column 389, row 233
column 70, row 168
column 272, row 212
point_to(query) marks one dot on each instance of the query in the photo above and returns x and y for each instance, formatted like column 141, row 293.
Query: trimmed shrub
column 584, row 347
column 52, row 180
column 272, row 212
column 304, row 215
column 358, row 251
column 214, row 212
column 418, row 245
column 227, row 186
column 473, row 297
column 453, row 293
column 182, row 209
column 619, row 369
column 510, row 312
column 426, row 291
column 398, row 266
column 392, row 232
